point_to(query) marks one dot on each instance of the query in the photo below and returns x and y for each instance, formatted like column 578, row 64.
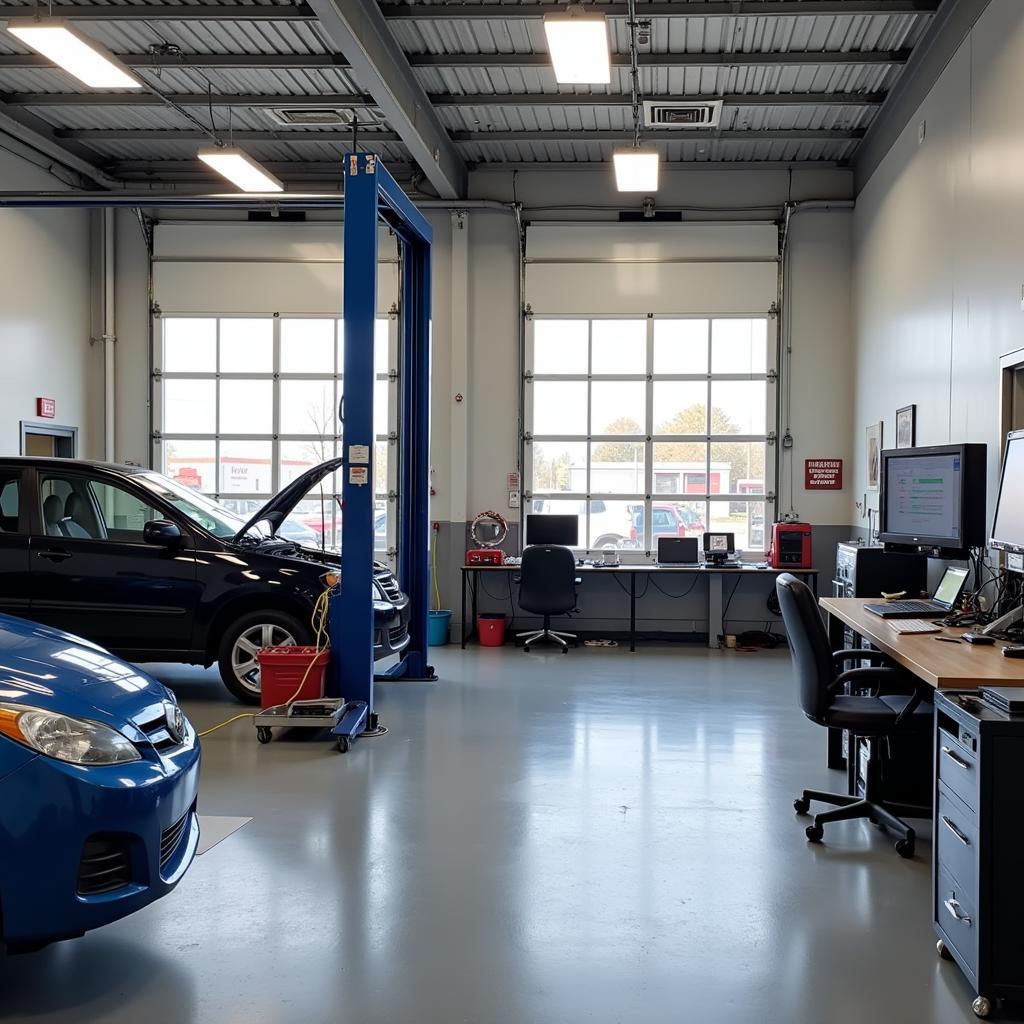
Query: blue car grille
column 155, row 729
column 105, row 865
column 170, row 839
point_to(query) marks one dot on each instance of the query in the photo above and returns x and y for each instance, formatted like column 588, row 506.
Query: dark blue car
column 99, row 771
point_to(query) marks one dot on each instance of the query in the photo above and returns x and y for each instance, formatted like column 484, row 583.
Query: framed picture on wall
column 906, row 426
column 873, row 451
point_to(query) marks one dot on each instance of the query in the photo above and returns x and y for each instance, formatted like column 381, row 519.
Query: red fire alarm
column 46, row 408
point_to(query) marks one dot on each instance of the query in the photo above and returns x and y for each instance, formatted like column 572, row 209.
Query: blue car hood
column 49, row 669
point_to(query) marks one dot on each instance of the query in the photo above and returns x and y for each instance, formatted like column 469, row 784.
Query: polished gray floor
column 597, row 837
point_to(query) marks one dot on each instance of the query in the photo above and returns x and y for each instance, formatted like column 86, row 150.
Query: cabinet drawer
column 956, row 838
column 956, row 915
column 958, row 769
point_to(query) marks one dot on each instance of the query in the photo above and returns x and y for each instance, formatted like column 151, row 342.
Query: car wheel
column 241, row 643
column 608, row 538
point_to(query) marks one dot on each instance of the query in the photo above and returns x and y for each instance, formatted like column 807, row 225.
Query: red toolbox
column 281, row 672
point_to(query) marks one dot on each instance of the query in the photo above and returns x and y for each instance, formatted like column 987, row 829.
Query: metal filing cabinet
column 977, row 880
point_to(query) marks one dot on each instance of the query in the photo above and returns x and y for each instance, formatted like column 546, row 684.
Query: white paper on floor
column 214, row 827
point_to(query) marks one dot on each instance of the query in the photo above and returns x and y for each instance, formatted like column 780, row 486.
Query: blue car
column 99, row 771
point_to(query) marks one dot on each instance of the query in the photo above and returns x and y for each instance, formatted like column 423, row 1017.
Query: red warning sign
column 823, row 474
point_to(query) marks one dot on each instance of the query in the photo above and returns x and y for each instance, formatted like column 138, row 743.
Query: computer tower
column 867, row 571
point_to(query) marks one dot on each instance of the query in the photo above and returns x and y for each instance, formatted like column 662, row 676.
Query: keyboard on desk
column 916, row 626
column 905, row 609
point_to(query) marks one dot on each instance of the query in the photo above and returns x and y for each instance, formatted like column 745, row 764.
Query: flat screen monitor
column 933, row 499
column 552, row 529
column 719, row 543
column 677, row 551
column 1008, row 524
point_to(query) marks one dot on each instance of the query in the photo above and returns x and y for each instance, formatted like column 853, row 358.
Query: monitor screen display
column 723, row 543
column 922, row 496
column 551, row 529
column 950, row 586
column 1008, row 526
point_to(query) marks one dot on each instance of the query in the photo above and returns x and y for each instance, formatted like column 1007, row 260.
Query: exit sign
column 46, row 408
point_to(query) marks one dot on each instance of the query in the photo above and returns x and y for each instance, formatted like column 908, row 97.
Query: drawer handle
column 954, row 908
column 958, row 761
column 952, row 828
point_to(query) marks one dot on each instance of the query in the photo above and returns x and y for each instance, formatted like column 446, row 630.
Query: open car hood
column 277, row 510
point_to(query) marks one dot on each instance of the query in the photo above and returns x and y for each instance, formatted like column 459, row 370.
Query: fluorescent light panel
column 240, row 169
column 88, row 61
column 636, row 170
column 578, row 44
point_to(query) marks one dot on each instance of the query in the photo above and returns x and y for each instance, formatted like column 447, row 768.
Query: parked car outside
column 155, row 571
column 99, row 772
column 666, row 521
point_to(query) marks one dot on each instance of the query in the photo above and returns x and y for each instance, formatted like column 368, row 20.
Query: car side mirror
column 161, row 532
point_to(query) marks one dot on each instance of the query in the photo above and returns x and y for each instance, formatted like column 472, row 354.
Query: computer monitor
column 932, row 499
column 677, row 551
column 1008, row 523
column 553, row 529
column 719, row 543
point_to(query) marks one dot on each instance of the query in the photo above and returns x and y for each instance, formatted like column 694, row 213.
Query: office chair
column 875, row 718
column 547, row 586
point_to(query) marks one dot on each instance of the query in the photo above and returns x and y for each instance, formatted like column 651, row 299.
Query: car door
column 93, row 573
column 664, row 522
column 15, row 485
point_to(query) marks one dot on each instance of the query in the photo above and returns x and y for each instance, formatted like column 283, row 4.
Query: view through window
column 650, row 427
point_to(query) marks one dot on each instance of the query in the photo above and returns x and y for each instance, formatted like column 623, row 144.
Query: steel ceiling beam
column 358, row 29
column 674, row 9
column 193, row 135
column 327, row 101
column 772, row 58
column 173, row 12
column 283, row 61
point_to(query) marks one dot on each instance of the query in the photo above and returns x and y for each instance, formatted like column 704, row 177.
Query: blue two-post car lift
column 373, row 197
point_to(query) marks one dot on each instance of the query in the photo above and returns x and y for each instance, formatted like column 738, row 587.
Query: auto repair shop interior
column 443, row 446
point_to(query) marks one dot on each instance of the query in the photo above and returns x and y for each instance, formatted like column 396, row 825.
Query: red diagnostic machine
column 791, row 546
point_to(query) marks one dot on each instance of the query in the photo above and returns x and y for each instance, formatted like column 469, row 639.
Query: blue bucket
column 437, row 627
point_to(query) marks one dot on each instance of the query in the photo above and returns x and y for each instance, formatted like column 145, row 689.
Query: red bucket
column 281, row 672
column 491, row 627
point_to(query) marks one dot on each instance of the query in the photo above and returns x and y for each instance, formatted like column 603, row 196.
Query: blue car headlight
column 75, row 740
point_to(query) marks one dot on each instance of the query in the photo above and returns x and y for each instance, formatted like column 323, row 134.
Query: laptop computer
column 677, row 551
column 942, row 602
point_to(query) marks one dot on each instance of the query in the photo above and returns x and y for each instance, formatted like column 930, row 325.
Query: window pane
column 380, row 407
column 559, row 507
column 739, row 467
column 298, row 456
column 190, row 345
column 668, row 519
column 123, row 515
column 611, row 522
column 317, row 512
column 559, row 466
column 739, row 346
column 680, row 407
column 245, row 467
column 617, row 467
column 192, row 463
column 10, row 501
column 190, row 406
column 680, row 346
column 738, row 406
column 745, row 519
column 560, row 346
column 381, row 356
column 680, row 467
column 307, row 346
column 619, row 346
column 380, row 467
column 246, row 346
column 618, row 407
column 307, row 407
column 246, row 406
column 559, row 407
column 380, row 528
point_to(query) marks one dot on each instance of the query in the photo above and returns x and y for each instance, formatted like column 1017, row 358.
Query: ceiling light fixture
column 578, row 44
column 636, row 169
column 240, row 169
column 88, row 61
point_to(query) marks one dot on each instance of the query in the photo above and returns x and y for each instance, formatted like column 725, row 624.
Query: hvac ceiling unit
column 682, row 113
column 317, row 117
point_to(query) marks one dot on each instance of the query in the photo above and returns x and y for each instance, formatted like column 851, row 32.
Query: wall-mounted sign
column 46, row 408
column 823, row 474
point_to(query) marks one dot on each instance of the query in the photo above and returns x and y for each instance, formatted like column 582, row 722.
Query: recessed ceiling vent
column 682, row 113
column 313, row 117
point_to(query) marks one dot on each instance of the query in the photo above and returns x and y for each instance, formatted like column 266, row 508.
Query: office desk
column 715, row 577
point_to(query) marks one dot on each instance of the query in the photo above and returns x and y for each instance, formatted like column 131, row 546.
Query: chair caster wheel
column 905, row 848
column 263, row 734
column 801, row 805
column 944, row 953
column 342, row 745
column 981, row 1007
column 565, row 650
column 814, row 833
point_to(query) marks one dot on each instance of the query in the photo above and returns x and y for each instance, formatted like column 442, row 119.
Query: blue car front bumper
column 83, row 846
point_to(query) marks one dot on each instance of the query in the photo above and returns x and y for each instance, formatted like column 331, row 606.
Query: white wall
column 938, row 251
column 45, row 310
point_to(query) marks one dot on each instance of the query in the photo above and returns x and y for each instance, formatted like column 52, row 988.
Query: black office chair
column 876, row 718
column 547, row 586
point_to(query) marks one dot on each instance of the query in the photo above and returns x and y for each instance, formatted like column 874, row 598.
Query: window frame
column 646, row 552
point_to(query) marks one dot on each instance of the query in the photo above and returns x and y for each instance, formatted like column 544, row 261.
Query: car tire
column 608, row 538
column 244, row 636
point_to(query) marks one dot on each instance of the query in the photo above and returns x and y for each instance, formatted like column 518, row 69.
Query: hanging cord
column 433, row 574
column 634, row 73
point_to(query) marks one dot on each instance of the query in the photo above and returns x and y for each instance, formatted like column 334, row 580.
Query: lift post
column 372, row 197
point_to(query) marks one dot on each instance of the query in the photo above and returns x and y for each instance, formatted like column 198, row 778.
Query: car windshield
column 203, row 511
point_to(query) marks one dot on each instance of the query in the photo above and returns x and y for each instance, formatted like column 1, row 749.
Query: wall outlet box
column 513, row 499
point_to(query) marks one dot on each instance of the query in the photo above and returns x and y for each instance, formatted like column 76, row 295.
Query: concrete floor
column 597, row 837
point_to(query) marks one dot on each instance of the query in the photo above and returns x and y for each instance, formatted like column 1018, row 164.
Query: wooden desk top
column 942, row 665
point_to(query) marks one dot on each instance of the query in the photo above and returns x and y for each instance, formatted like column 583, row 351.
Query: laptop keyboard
column 912, row 606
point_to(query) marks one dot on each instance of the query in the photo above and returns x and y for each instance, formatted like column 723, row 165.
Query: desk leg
column 835, row 758
column 715, row 627
column 462, row 621
column 632, row 611
column 474, row 601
